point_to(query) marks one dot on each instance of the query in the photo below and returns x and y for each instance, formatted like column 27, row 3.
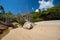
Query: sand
column 45, row 30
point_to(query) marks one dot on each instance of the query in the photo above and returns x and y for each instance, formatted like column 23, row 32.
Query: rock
column 3, row 28
column 1, row 31
column 28, row 25
column 16, row 25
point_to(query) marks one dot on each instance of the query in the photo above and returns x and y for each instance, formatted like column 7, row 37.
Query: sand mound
column 45, row 30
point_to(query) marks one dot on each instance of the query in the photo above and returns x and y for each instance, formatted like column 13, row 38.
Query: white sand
column 45, row 30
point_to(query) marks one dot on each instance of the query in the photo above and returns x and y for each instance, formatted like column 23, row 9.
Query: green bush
column 37, row 19
column 21, row 22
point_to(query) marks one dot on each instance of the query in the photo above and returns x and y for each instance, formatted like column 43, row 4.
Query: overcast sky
column 20, row 6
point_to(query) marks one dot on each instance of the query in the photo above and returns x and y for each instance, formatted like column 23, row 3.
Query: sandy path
column 45, row 30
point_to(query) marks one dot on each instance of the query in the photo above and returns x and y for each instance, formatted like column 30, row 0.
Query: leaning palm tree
column 2, row 14
column 2, row 9
column 5, row 17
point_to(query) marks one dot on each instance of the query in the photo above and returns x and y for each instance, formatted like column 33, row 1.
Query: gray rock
column 28, row 25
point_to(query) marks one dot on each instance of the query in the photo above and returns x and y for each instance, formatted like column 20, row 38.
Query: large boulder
column 3, row 28
column 28, row 25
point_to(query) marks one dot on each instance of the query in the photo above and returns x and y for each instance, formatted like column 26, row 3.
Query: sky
column 21, row 6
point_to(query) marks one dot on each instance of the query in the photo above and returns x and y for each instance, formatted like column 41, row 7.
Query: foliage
column 36, row 16
column 53, row 13
column 50, row 14
column 21, row 22
column 8, row 14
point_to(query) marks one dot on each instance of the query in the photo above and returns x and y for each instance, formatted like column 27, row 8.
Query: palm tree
column 2, row 9
column 2, row 12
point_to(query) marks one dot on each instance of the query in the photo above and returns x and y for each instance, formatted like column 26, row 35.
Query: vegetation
column 50, row 14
